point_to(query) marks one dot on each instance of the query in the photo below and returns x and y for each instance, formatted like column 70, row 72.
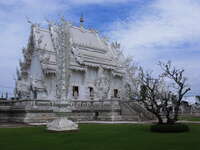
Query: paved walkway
column 132, row 122
column 116, row 122
column 20, row 125
column 13, row 125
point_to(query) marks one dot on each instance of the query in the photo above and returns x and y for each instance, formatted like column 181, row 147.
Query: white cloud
column 157, row 30
column 169, row 22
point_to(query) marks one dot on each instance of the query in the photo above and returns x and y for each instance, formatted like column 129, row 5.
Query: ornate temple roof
column 43, row 39
column 87, row 38
column 88, row 48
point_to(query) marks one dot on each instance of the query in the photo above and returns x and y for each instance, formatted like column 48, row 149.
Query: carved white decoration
column 76, row 52
column 102, row 85
column 62, row 46
column 62, row 124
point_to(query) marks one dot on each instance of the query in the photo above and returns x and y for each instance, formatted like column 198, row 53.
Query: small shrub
column 168, row 128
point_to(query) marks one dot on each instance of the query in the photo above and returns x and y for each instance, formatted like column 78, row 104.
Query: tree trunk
column 160, row 120
column 170, row 121
column 175, row 118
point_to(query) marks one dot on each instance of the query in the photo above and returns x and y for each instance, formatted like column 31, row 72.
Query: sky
column 148, row 30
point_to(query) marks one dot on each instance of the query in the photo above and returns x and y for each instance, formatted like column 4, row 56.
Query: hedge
column 168, row 128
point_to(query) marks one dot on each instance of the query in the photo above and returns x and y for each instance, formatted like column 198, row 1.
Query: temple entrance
column 115, row 93
column 91, row 91
column 96, row 115
column 75, row 91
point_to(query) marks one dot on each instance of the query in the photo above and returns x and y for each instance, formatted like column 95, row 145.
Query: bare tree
column 179, row 88
column 150, row 94
column 162, row 96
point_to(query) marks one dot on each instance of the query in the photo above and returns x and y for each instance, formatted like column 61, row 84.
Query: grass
column 189, row 118
column 99, row 137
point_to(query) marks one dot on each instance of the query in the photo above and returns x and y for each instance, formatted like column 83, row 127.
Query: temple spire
column 81, row 20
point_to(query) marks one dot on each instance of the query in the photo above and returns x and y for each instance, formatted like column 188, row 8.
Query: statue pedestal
column 62, row 124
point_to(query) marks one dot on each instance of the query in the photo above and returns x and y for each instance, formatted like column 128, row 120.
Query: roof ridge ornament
column 81, row 20
column 116, row 45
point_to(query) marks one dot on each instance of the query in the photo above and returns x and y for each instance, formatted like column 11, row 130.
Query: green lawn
column 99, row 137
column 189, row 118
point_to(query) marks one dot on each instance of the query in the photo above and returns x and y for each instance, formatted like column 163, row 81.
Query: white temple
column 71, row 70
column 70, row 63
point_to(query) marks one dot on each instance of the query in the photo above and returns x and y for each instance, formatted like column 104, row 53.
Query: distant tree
column 198, row 98
column 162, row 96
column 6, row 96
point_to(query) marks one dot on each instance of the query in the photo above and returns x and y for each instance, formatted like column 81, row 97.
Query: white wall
column 36, row 69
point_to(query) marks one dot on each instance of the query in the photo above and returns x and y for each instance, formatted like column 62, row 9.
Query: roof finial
column 81, row 20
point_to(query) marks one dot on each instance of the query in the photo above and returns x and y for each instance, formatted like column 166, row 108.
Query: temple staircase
column 131, row 110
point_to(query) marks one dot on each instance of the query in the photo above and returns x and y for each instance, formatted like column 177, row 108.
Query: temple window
column 115, row 93
column 91, row 90
column 75, row 91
